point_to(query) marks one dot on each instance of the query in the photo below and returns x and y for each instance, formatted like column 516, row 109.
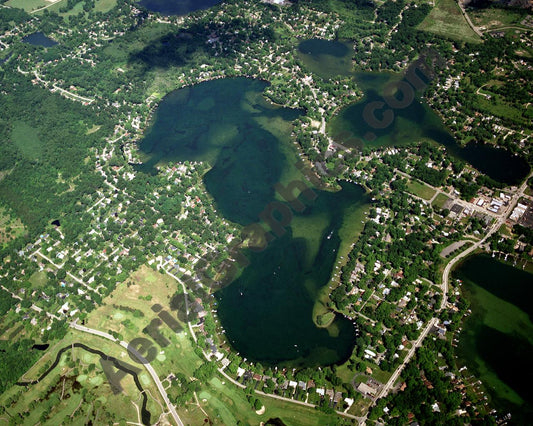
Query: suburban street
column 499, row 221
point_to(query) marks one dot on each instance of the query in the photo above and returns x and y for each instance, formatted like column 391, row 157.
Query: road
column 499, row 221
column 145, row 363
column 38, row 252
column 388, row 386
column 474, row 28
column 193, row 335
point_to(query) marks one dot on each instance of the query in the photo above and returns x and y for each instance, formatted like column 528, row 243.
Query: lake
column 352, row 127
column 177, row 7
column 39, row 39
column 496, row 343
column 267, row 311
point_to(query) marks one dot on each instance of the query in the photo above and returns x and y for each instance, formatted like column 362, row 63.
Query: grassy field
column 54, row 6
column 77, row 389
column 225, row 404
column 28, row 5
column 26, row 139
column 143, row 284
column 38, row 279
column 128, row 312
column 493, row 18
column 498, row 107
column 420, row 190
column 10, row 228
column 439, row 201
column 447, row 20
column 104, row 5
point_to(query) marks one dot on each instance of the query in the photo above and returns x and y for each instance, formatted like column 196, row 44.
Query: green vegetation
column 76, row 388
column 492, row 18
column 10, row 228
column 27, row 5
column 72, row 118
column 447, row 20
column 420, row 190
column 27, row 140
column 53, row 130
column 439, row 201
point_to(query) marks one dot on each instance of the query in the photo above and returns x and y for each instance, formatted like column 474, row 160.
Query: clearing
column 447, row 20
column 420, row 190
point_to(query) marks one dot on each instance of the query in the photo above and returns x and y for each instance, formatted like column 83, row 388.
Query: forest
column 47, row 163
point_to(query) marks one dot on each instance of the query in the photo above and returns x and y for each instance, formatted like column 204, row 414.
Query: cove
column 497, row 338
column 267, row 312
column 352, row 128
column 177, row 7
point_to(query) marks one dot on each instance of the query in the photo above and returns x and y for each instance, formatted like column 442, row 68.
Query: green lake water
column 352, row 127
column 496, row 343
column 267, row 311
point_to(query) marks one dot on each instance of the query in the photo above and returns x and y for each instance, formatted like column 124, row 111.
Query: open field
column 104, row 5
column 226, row 404
column 420, row 190
column 77, row 389
column 128, row 311
column 447, row 20
column 498, row 107
column 55, row 5
column 28, row 5
column 439, row 201
column 10, row 228
column 26, row 139
column 494, row 18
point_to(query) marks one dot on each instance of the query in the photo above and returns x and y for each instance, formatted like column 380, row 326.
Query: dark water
column 41, row 347
column 373, row 122
column 39, row 39
column 325, row 58
column 496, row 343
column 501, row 279
column 267, row 311
column 225, row 123
column 177, row 7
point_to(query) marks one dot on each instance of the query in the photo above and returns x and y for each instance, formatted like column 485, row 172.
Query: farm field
column 447, row 20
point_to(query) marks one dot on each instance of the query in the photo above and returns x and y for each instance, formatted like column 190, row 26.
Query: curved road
column 445, row 285
column 143, row 360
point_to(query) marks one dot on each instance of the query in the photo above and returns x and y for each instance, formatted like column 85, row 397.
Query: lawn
column 226, row 404
column 446, row 19
column 420, row 190
column 38, row 279
column 62, row 392
column 27, row 5
column 104, row 5
column 439, row 201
